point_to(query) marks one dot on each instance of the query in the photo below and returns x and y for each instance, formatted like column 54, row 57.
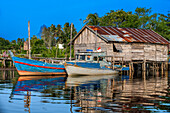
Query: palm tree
column 59, row 33
column 92, row 19
column 48, row 35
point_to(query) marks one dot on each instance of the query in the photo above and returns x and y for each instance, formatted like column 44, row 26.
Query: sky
column 15, row 14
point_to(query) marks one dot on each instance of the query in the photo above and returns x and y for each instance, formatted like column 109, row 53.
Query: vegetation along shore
column 46, row 44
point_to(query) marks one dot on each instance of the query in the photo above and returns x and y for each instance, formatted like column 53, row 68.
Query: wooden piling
column 113, row 62
column 122, row 61
column 4, row 63
column 130, row 69
column 153, row 68
column 166, row 65
column 10, row 63
column 162, row 68
column 3, row 75
column 144, row 65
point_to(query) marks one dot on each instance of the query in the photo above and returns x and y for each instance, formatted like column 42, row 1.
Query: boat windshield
column 95, row 58
column 88, row 57
column 77, row 57
column 82, row 57
column 100, row 58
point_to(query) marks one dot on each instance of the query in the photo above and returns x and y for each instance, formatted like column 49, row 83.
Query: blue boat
column 33, row 67
column 89, row 63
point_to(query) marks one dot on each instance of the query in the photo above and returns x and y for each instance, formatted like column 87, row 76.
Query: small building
column 127, row 43
column 26, row 45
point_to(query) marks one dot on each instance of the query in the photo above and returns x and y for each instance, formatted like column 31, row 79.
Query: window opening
column 95, row 59
column 114, row 49
column 100, row 58
column 88, row 57
column 82, row 57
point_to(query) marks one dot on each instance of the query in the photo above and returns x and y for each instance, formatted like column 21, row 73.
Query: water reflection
column 7, row 74
column 43, row 84
column 111, row 93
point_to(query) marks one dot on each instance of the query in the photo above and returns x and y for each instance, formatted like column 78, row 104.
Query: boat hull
column 77, row 71
column 34, row 67
column 40, row 73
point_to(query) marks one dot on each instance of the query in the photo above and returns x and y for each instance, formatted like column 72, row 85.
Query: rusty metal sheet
column 99, row 30
column 129, row 34
column 155, row 37
column 134, row 35
column 148, row 36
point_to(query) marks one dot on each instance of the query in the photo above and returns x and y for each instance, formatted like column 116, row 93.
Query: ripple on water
column 105, row 95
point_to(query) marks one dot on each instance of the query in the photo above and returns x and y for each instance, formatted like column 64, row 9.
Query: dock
column 7, row 62
column 131, row 67
column 128, row 67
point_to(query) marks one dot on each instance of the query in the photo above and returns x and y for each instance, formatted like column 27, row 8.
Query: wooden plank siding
column 128, row 50
column 89, row 40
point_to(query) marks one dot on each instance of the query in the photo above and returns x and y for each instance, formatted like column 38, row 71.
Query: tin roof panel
column 129, row 34
column 114, row 38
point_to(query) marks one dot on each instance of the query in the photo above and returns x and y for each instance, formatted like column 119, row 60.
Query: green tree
column 59, row 33
column 66, row 36
column 14, row 45
column 131, row 21
column 45, row 35
column 20, row 44
column 48, row 35
column 163, row 26
column 143, row 16
column 13, row 42
column 92, row 19
column 4, row 44
column 37, row 45
column 117, row 18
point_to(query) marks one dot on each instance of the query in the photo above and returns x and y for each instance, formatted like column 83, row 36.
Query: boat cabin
column 90, row 56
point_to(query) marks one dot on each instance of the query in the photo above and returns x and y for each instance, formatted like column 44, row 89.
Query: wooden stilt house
column 127, row 43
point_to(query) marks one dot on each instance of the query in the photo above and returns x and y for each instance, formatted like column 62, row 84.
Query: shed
column 129, row 43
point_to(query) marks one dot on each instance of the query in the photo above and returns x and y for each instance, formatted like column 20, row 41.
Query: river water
column 89, row 94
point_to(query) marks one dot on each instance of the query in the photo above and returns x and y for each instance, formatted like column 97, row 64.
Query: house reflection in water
column 118, row 95
column 27, row 101
column 98, row 93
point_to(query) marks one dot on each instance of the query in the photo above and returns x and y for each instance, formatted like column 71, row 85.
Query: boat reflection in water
column 68, row 88
column 38, row 83
column 109, row 93
column 43, row 84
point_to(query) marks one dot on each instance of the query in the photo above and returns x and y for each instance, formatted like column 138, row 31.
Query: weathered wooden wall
column 129, row 51
column 142, row 51
column 88, row 40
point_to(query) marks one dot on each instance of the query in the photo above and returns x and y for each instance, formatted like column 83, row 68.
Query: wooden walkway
column 44, row 59
column 143, row 65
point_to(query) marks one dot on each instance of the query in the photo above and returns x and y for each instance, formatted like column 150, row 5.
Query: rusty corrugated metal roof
column 129, row 34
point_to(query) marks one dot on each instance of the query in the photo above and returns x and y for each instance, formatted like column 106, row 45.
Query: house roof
column 114, row 34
